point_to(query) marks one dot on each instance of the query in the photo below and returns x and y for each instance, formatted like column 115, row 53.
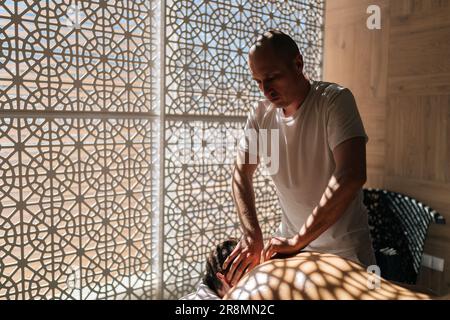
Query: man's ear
column 299, row 62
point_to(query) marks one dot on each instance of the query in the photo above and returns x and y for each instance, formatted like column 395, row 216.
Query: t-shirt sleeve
column 343, row 120
column 248, row 137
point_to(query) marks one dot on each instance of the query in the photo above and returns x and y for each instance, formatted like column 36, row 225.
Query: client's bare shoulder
column 280, row 278
column 312, row 275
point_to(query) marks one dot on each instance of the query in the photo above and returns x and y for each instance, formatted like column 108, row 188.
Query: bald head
column 275, row 43
column 277, row 67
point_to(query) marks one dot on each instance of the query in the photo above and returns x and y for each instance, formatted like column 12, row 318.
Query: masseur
column 321, row 163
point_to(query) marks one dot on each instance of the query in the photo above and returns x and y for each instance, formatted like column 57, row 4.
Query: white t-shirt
column 327, row 117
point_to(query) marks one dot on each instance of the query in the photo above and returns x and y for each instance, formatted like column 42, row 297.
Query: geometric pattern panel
column 77, row 56
column 79, row 149
column 198, row 206
column 208, row 87
column 207, row 43
column 76, row 215
column 79, row 199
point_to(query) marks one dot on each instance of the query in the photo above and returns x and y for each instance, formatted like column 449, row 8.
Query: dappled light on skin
column 243, row 188
column 333, row 185
column 352, row 289
column 315, row 276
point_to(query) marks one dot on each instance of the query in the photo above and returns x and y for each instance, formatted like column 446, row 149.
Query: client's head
column 214, row 276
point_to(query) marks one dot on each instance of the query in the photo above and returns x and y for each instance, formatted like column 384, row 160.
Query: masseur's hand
column 245, row 256
column 281, row 245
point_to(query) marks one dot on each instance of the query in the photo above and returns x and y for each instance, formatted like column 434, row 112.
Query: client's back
column 311, row 275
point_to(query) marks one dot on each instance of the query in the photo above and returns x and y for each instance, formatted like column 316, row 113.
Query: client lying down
column 307, row 275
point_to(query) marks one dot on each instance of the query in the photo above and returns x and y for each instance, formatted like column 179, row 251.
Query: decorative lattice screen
column 92, row 204
column 208, row 92
column 78, row 149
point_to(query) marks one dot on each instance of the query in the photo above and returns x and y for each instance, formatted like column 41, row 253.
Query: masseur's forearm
column 340, row 192
column 244, row 200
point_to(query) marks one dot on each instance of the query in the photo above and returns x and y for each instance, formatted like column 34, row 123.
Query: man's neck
column 304, row 88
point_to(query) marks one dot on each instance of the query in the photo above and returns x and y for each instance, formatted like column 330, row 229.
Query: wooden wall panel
column 418, row 141
column 356, row 57
column 400, row 76
column 419, row 55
